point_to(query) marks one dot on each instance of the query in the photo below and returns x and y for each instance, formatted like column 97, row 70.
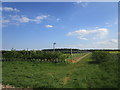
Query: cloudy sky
column 69, row 24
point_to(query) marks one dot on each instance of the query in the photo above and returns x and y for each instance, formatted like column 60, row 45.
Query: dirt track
column 67, row 78
column 78, row 59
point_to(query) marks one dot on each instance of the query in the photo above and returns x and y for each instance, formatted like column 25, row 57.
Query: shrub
column 100, row 56
column 12, row 54
column 33, row 55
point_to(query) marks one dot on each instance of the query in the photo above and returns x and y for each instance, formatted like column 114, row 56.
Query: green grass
column 114, row 52
column 52, row 75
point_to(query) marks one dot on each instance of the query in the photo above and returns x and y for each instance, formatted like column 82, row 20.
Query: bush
column 33, row 55
column 12, row 54
column 109, row 66
column 100, row 56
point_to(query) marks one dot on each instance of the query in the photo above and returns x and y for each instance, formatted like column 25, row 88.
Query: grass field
column 114, row 51
column 83, row 74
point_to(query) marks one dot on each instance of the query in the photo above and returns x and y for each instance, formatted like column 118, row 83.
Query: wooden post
column 71, row 53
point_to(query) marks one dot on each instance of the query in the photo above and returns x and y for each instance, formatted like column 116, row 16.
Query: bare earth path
column 72, row 70
column 78, row 59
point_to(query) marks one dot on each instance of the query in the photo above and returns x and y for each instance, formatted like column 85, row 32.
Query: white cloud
column 114, row 40
column 113, row 43
column 9, row 9
column 48, row 26
column 103, row 43
column 17, row 19
column 106, row 44
column 41, row 17
column 91, row 34
column 24, row 19
column 38, row 19
column 80, row 3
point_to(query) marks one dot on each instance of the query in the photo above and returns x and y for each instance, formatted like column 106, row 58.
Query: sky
column 37, row 25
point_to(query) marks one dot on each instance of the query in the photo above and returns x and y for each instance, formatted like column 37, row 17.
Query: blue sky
column 71, row 25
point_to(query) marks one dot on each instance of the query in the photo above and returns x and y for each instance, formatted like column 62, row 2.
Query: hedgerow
column 41, row 55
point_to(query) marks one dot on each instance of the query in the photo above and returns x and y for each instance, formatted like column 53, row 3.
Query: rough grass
column 52, row 75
